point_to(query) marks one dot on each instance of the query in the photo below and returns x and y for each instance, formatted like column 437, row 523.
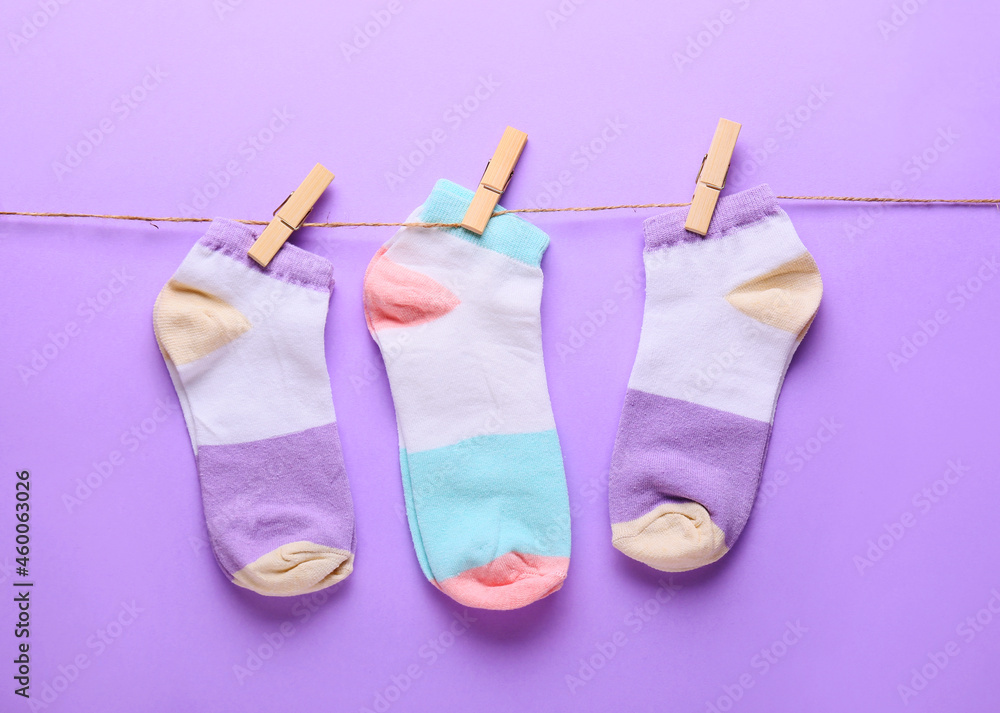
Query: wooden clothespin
column 712, row 177
column 290, row 215
column 495, row 180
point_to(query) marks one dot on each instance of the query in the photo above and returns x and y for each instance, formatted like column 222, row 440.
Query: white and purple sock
column 245, row 350
column 724, row 314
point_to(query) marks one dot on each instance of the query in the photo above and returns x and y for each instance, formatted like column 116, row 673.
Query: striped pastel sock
column 456, row 317
column 724, row 314
column 244, row 347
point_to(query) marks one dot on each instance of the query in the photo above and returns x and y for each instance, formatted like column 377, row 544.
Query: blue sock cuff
column 506, row 234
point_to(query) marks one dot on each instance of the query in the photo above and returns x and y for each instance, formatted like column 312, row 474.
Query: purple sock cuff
column 731, row 212
column 292, row 264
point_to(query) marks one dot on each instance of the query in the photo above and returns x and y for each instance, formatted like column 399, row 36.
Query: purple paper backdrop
column 867, row 565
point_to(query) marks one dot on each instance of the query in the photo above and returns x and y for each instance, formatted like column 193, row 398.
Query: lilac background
column 140, row 536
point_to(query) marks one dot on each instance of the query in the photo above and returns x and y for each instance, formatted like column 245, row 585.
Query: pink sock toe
column 510, row 581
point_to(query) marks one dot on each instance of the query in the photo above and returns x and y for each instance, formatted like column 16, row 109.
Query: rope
column 632, row 206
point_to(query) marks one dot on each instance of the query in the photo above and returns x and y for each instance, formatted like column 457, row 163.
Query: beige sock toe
column 295, row 568
column 673, row 537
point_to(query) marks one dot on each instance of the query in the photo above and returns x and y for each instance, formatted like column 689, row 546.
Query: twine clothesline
column 576, row 209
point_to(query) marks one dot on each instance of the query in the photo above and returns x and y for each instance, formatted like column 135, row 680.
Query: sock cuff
column 506, row 234
column 731, row 212
column 292, row 264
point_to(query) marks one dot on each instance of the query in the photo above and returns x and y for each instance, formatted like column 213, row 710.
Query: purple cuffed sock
column 724, row 314
column 244, row 347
